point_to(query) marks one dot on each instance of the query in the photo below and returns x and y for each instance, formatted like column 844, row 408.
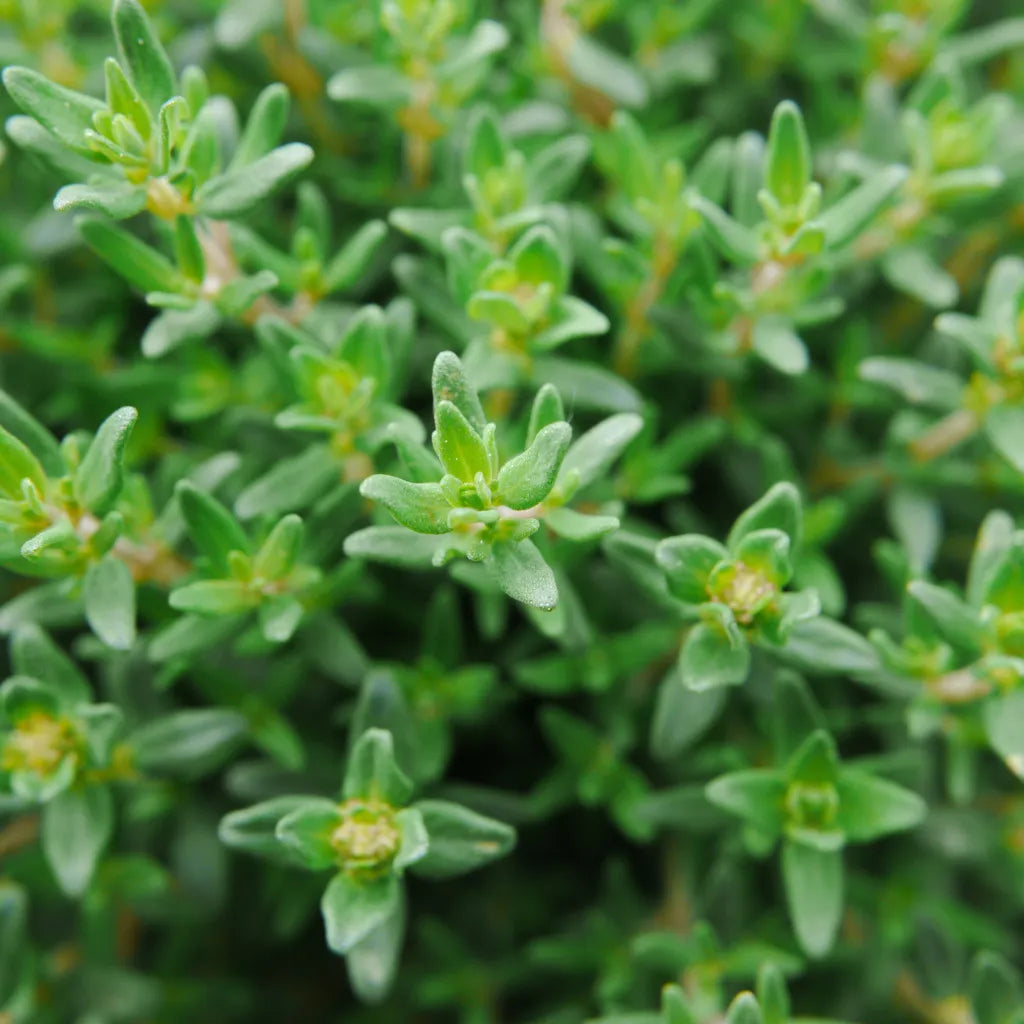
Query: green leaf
column 290, row 484
column 500, row 309
column 965, row 183
column 788, row 156
column 372, row 962
column 450, row 384
column 604, row 70
column 378, row 85
column 102, row 723
column 756, row 795
column 538, row 259
column 744, row 1010
column 49, row 604
column 264, row 127
column 279, row 616
column 912, row 270
column 190, row 742
column 916, row 382
column 555, row 169
column 713, row 655
column 458, row 445
column 687, row 562
column 1000, row 298
column 736, row 242
column 280, row 551
column 364, row 345
column 779, row 509
column 956, row 620
column 117, row 199
column 352, row 908
column 592, row 454
column 100, row 474
column 823, row 645
column 467, row 257
column 547, row 408
column 123, row 98
column 570, row 318
column 34, row 654
column 307, row 830
column 349, row 264
column 139, row 264
column 794, row 608
column 213, row 529
column 995, row 539
column 54, row 155
column 188, row 249
column 66, row 113
column 980, row 44
column 682, row 715
column 521, row 572
column 17, row 463
column 773, row 994
column 373, row 772
column 59, row 540
column 587, row 386
column 527, row 479
column 846, row 219
column 414, row 839
column 916, row 521
column 995, row 990
column 142, row 55
column 675, row 1008
column 815, row 762
column 578, row 526
column 253, row 829
column 976, row 336
column 420, row 507
column 76, row 827
column 188, row 635
column 16, row 420
column 775, row 341
column 108, row 593
column 1004, row 726
column 214, row 597
column 1004, row 427
column 1005, row 587
column 485, row 148
column 485, row 39
column 21, row 696
column 814, row 893
column 768, row 552
column 392, row 545
column 238, row 190
column 871, row 807
column 460, row 840
column 176, row 327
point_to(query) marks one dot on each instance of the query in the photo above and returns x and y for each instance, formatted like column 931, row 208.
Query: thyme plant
column 512, row 512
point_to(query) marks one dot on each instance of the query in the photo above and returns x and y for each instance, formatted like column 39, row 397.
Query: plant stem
column 945, row 435
column 636, row 325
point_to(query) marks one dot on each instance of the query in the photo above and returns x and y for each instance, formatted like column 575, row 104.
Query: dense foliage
column 524, row 497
